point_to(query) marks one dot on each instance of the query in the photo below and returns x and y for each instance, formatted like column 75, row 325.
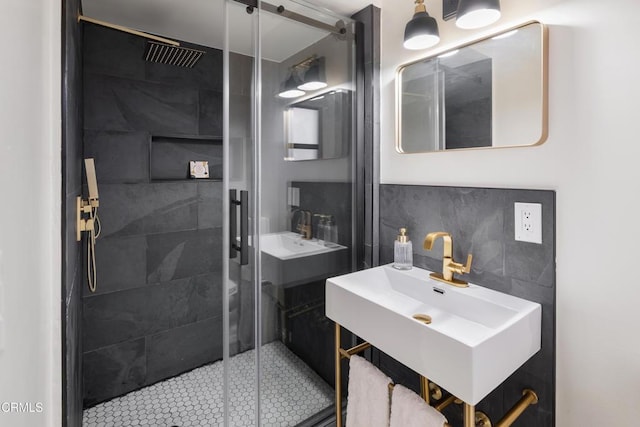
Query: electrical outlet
column 293, row 196
column 528, row 222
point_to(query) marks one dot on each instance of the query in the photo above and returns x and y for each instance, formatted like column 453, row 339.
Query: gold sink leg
column 424, row 389
column 469, row 415
column 338, row 378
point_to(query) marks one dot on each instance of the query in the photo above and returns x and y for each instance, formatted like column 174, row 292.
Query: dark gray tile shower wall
column 72, row 186
column 158, row 310
column 481, row 221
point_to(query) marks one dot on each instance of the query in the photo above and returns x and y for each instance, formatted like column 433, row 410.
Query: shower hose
column 91, row 249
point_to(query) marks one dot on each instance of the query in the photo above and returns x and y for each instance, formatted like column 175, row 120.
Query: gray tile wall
column 327, row 198
column 481, row 221
column 72, row 187
column 468, row 100
column 309, row 333
column 157, row 311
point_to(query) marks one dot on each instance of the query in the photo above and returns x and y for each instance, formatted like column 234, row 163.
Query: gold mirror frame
column 544, row 72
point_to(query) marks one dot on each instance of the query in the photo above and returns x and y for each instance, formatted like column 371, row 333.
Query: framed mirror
column 491, row 93
column 319, row 127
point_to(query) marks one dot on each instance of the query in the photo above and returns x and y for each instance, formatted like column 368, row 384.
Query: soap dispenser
column 403, row 251
column 322, row 229
column 331, row 232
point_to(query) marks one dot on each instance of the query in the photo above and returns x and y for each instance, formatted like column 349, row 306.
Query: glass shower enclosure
column 288, row 190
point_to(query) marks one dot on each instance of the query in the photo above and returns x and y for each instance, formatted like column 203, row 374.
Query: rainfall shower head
column 172, row 55
column 159, row 49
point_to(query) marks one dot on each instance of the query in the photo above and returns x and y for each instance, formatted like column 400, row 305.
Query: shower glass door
column 294, row 158
column 240, row 141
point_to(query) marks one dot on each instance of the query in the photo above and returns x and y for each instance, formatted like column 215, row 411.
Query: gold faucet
column 304, row 225
column 449, row 266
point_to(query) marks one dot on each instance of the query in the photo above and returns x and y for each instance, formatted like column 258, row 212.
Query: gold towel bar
column 346, row 354
column 448, row 401
column 529, row 397
column 354, row 350
column 471, row 417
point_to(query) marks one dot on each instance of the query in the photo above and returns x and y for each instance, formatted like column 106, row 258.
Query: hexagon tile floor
column 291, row 392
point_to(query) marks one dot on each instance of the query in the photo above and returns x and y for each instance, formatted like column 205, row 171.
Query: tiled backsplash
column 481, row 221
column 327, row 198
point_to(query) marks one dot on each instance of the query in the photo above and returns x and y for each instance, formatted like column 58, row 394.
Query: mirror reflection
column 319, row 127
column 490, row 93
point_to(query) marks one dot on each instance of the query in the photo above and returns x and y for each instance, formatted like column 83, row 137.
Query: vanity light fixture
column 421, row 32
column 290, row 87
column 308, row 75
column 314, row 76
column 474, row 14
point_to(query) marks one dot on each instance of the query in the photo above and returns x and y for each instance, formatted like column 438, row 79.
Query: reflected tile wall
column 327, row 198
column 481, row 221
column 157, row 311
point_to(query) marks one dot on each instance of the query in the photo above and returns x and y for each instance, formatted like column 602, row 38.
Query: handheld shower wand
column 91, row 223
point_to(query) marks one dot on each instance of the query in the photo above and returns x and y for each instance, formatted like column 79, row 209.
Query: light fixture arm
column 306, row 63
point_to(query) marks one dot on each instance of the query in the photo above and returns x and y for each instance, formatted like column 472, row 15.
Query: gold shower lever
column 87, row 220
column 90, row 205
column 83, row 224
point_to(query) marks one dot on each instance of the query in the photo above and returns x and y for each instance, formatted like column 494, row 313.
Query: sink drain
column 424, row 318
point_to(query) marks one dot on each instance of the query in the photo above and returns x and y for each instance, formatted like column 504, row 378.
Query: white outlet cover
column 293, row 196
column 528, row 222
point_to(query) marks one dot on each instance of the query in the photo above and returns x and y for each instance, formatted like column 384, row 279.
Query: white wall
column 30, row 191
column 592, row 160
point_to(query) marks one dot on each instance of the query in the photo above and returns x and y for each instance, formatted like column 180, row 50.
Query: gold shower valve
column 82, row 224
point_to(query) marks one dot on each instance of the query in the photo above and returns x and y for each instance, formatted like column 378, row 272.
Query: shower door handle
column 234, row 245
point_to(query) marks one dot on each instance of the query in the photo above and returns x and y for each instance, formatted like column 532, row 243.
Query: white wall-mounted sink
column 477, row 337
column 288, row 245
column 288, row 260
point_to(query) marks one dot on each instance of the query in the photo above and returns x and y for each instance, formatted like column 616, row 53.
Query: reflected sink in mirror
column 287, row 259
column 287, row 245
column 476, row 339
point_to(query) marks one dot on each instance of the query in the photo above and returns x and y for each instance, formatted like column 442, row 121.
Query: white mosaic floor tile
column 290, row 393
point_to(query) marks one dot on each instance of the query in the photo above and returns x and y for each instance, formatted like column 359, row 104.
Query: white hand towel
column 368, row 402
column 410, row 410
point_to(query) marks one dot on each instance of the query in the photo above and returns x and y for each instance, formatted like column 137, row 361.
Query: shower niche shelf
column 169, row 156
